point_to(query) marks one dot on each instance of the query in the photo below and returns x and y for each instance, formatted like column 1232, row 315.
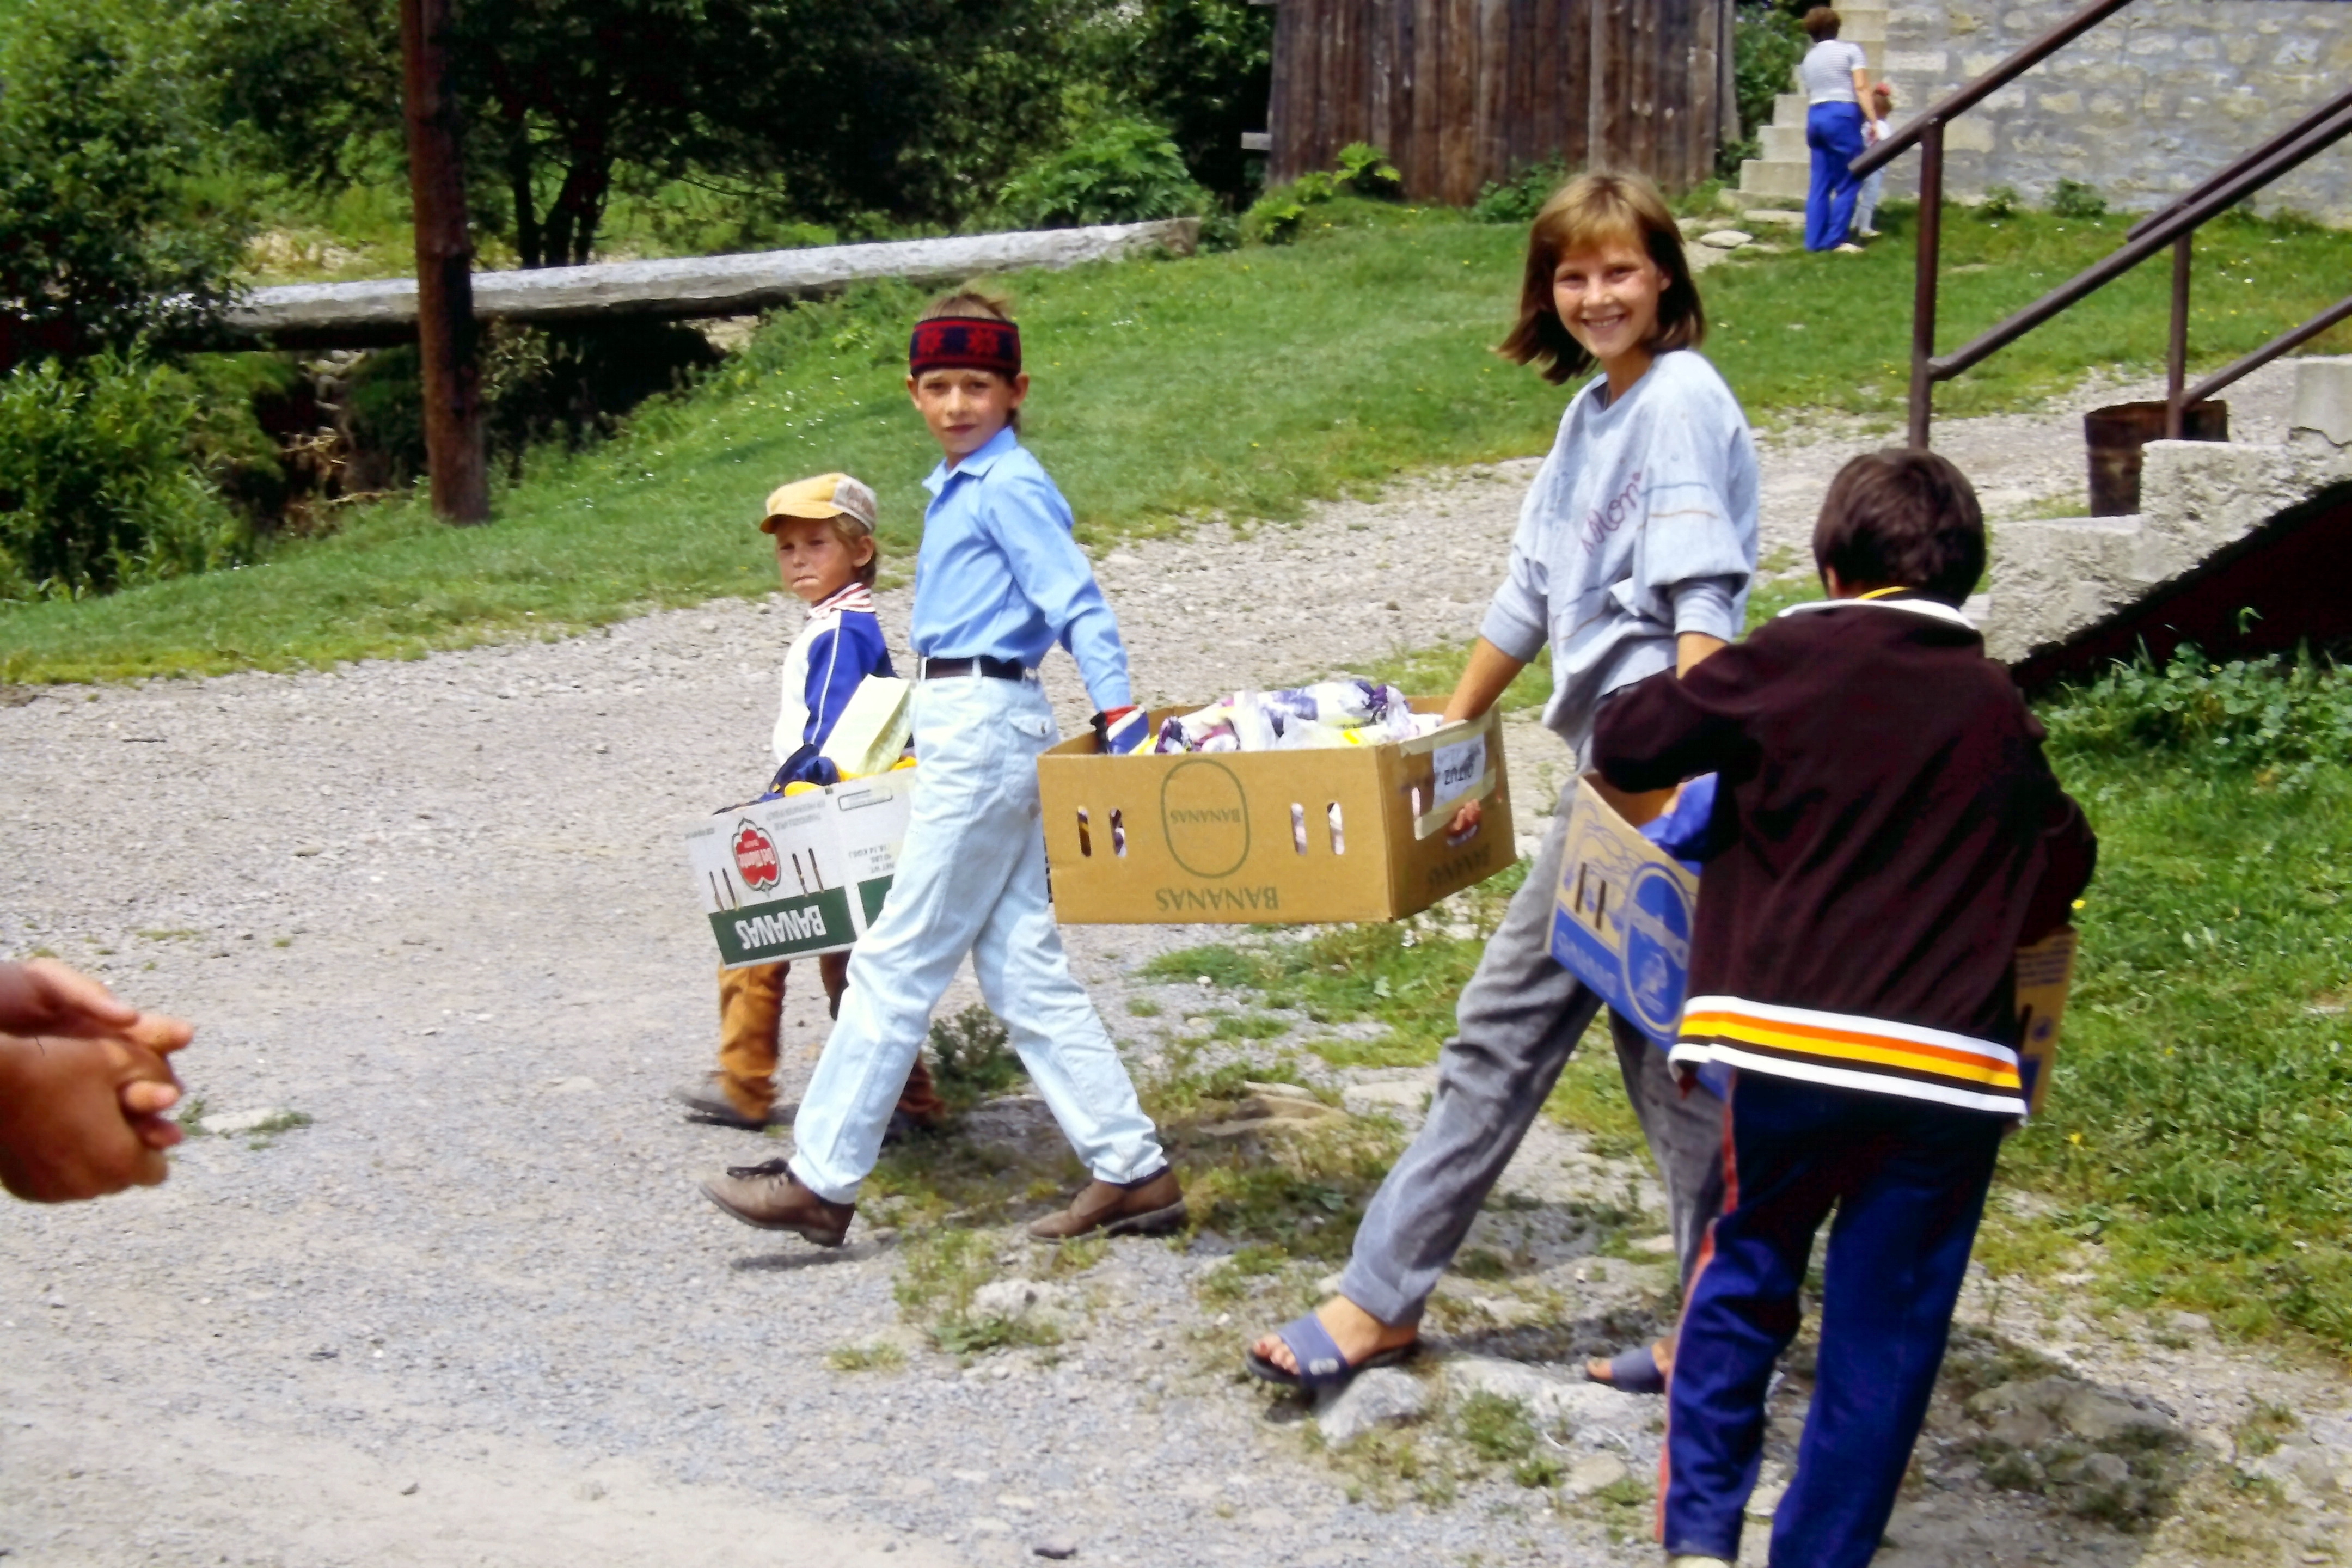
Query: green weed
column 941, row 1270
column 1404, row 974
column 1495, row 1428
column 878, row 1357
column 972, row 1058
column 1142, row 1007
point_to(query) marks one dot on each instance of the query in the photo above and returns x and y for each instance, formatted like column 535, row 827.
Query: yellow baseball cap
column 827, row 495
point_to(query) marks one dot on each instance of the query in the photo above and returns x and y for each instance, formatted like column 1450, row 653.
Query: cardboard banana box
column 1353, row 833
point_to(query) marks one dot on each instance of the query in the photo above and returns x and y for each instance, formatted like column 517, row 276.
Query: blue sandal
column 1634, row 1371
column 1320, row 1365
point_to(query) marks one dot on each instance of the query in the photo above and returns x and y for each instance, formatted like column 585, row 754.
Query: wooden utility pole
column 445, row 270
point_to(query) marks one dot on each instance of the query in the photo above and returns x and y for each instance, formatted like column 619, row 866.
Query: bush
column 1122, row 171
column 1520, row 197
column 1277, row 216
column 2000, row 202
column 1365, row 170
column 96, row 491
column 1206, row 69
column 106, row 228
column 2276, row 717
column 1766, row 45
column 972, row 1058
column 2074, row 198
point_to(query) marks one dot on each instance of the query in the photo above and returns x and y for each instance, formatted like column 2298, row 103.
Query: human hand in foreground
column 81, row 1117
column 83, row 1086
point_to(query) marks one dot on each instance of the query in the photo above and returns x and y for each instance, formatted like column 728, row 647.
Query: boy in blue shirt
column 827, row 555
column 999, row 580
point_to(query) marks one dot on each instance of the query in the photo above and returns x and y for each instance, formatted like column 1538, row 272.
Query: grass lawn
column 1245, row 383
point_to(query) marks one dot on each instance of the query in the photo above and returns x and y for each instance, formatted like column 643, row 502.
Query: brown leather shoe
column 1152, row 1207
column 768, row 1196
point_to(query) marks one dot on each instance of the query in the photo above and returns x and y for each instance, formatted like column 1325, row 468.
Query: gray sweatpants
column 1518, row 1021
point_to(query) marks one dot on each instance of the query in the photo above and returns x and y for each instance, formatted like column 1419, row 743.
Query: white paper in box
column 804, row 875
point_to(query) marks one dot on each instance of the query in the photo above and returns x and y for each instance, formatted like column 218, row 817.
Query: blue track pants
column 1907, row 1179
column 1833, row 131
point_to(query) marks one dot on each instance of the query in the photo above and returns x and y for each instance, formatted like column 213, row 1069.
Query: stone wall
column 2143, row 107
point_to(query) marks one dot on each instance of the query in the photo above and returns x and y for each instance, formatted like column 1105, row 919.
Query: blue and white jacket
column 840, row 647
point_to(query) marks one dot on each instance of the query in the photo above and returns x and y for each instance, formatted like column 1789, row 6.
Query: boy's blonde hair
column 1588, row 210
column 972, row 302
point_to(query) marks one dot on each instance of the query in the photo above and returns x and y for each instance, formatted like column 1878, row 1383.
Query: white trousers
column 970, row 880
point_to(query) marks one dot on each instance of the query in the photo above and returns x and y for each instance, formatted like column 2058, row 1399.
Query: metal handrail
column 2332, row 106
column 2174, row 226
column 1956, row 103
column 2270, row 350
column 2157, row 236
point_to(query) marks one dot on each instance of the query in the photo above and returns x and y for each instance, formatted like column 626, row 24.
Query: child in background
column 827, row 555
column 1000, row 581
column 1634, row 554
column 1893, row 835
column 1866, row 202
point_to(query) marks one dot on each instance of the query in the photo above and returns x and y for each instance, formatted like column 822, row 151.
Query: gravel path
column 473, row 1312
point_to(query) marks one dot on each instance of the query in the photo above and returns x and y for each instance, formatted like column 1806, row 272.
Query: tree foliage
column 1120, row 171
column 887, row 112
column 105, row 231
column 1206, row 69
column 96, row 491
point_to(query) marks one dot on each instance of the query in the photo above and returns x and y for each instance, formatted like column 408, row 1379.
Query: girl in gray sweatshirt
column 1634, row 554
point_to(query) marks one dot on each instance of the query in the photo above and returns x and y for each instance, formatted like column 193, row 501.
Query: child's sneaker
column 708, row 1101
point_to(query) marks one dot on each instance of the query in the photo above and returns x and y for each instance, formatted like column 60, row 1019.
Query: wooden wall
column 1460, row 92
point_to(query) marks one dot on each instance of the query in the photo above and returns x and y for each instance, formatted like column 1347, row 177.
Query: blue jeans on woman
column 1833, row 131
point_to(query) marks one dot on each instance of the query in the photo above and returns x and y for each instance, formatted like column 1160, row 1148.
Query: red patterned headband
column 965, row 342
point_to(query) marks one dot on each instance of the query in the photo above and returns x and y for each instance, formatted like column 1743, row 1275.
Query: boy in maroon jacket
column 1890, row 834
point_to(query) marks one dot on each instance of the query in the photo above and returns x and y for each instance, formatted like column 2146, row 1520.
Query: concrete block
column 1788, row 109
column 1785, row 144
column 1759, row 178
column 2051, row 577
column 2323, row 398
column 2198, row 495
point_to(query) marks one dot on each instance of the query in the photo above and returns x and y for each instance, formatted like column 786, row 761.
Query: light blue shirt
column 1000, row 573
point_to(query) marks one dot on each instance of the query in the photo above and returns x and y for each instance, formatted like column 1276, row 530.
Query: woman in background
column 1836, row 80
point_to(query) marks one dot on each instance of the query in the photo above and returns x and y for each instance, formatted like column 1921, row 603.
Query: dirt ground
column 455, row 1300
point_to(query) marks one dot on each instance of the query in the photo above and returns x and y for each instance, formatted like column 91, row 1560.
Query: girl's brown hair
column 1821, row 22
column 972, row 302
column 1588, row 210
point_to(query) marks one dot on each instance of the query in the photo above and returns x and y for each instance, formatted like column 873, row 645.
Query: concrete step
column 1758, row 177
column 1785, row 144
column 2055, row 576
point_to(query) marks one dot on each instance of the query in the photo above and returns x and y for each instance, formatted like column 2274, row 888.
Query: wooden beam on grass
column 384, row 310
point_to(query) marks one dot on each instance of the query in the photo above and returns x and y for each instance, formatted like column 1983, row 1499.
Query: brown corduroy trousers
column 750, row 1020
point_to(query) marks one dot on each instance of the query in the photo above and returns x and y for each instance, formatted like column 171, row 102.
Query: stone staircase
column 2053, row 580
column 1784, row 171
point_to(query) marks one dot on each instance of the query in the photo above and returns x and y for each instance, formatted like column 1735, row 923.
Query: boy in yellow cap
column 825, row 553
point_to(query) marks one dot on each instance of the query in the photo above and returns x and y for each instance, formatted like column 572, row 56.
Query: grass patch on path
column 1245, row 383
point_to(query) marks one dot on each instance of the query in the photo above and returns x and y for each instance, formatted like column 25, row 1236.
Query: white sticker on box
column 1459, row 768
